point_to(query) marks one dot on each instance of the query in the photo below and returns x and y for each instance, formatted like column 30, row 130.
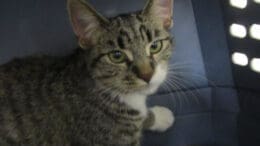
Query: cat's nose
column 144, row 71
column 146, row 76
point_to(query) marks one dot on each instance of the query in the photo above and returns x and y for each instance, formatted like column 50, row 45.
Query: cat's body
column 47, row 101
column 87, row 98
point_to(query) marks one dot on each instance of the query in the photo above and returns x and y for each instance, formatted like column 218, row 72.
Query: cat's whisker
column 197, row 75
column 180, row 88
column 168, row 87
column 180, row 94
column 194, row 85
column 181, row 65
column 187, row 82
column 183, row 83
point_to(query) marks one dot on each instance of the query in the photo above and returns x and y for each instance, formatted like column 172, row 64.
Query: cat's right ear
column 160, row 11
column 87, row 23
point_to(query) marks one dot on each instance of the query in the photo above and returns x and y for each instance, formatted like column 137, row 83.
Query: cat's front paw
column 164, row 118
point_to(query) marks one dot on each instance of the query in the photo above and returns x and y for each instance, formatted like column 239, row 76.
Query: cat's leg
column 7, row 142
column 159, row 119
column 137, row 143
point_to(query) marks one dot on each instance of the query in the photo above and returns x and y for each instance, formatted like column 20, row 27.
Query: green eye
column 156, row 47
column 117, row 56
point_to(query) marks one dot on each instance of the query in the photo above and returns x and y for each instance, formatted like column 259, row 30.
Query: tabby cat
column 97, row 95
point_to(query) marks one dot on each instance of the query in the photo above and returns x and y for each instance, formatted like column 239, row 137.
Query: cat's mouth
column 156, row 80
column 133, row 84
column 144, row 88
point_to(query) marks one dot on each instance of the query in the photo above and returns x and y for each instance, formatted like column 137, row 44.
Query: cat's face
column 128, row 53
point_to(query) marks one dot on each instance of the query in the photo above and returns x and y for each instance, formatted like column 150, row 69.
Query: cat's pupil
column 154, row 45
column 117, row 54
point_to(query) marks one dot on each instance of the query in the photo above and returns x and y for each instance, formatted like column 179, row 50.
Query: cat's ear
column 160, row 11
column 87, row 23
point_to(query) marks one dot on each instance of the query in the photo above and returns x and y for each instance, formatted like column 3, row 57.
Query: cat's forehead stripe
column 146, row 34
column 111, row 43
column 123, row 38
column 119, row 21
column 149, row 35
column 130, row 28
column 120, row 42
column 139, row 18
column 125, row 34
column 156, row 33
column 142, row 31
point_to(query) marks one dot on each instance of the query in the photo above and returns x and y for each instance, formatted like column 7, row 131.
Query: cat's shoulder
column 28, row 66
column 40, row 61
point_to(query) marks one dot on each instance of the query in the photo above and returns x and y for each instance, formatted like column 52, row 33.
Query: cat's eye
column 117, row 56
column 156, row 47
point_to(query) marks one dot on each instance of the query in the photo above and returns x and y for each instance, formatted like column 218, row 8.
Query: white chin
column 157, row 80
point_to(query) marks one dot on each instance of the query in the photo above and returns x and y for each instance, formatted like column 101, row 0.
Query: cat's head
column 128, row 53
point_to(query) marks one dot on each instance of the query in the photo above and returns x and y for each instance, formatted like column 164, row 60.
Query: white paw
column 164, row 118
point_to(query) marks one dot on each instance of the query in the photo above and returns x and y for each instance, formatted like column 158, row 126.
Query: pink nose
column 146, row 77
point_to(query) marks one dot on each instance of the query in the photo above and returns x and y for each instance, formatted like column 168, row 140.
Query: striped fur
column 84, row 99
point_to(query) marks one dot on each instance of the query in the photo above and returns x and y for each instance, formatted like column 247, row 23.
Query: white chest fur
column 137, row 102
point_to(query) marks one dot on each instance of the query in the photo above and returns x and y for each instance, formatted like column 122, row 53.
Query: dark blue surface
column 205, row 112
column 247, row 81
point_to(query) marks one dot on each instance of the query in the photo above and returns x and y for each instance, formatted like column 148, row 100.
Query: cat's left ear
column 161, row 11
column 87, row 23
